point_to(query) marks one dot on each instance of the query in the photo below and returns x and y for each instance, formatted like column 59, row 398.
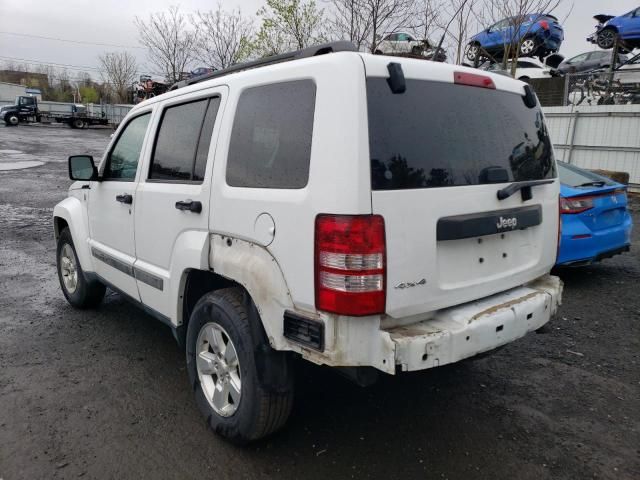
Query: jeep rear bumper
column 460, row 332
column 447, row 336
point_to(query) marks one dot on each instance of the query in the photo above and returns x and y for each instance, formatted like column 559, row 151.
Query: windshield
column 443, row 135
column 577, row 177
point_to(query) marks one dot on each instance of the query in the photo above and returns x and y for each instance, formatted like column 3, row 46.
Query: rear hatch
column 439, row 154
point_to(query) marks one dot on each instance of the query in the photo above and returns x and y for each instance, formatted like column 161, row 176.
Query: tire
column 84, row 294
column 378, row 52
column 472, row 51
column 416, row 50
column 77, row 123
column 257, row 386
column 524, row 79
column 607, row 38
column 11, row 120
column 528, row 47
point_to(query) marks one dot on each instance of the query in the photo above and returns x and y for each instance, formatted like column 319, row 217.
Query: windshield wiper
column 598, row 183
column 524, row 187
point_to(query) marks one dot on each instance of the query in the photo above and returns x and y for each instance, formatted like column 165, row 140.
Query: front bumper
column 446, row 336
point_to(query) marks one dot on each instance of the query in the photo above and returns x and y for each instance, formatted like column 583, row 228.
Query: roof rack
column 332, row 47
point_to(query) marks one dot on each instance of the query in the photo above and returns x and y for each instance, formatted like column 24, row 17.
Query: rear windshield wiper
column 525, row 187
column 598, row 183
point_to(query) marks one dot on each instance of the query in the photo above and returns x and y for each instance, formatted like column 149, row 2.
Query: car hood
column 567, row 191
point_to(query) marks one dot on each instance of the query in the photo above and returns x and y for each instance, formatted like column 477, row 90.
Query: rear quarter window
column 270, row 143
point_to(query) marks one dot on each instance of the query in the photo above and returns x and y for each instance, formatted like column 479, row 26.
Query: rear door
column 439, row 154
column 172, row 199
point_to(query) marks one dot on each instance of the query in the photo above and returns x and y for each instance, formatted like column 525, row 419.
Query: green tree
column 89, row 94
column 289, row 25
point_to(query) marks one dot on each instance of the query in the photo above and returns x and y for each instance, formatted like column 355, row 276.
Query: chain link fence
column 620, row 87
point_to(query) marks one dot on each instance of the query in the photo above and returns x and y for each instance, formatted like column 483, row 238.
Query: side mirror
column 81, row 167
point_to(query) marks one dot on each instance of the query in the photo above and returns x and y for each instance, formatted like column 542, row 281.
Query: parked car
column 595, row 221
column 628, row 74
column 538, row 35
column 624, row 28
column 259, row 233
column 589, row 61
column 526, row 69
column 403, row 42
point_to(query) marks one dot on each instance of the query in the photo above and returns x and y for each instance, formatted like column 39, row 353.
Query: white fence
column 599, row 137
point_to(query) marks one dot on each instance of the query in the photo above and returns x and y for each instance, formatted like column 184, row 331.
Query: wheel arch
column 70, row 213
column 237, row 263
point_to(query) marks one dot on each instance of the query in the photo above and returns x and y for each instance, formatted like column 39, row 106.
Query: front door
column 111, row 208
column 172, row 199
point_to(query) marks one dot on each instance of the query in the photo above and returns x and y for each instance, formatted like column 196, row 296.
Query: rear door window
column 445, row 135
column 271, row 137
column 183, row 140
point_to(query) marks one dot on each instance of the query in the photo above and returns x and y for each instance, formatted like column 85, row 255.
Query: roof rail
column 332, row 47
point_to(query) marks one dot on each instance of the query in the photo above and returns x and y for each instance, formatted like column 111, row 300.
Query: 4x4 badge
column 404, row 285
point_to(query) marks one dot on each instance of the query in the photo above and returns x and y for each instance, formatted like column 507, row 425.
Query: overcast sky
column 111, row 22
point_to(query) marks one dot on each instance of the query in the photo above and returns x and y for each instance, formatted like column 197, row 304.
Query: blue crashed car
column 537, row 34
column 625, row 29
column 595, row 221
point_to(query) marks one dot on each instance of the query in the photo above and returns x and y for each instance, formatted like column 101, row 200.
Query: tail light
column 473, row 80
column 575, row 204
column 350, row 264
column 544, row 24
column 559, row 229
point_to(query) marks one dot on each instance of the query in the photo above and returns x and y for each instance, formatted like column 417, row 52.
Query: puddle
column 19, row 165
column 17, row 160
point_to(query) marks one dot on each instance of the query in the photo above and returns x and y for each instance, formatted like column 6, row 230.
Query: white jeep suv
column 359, row 211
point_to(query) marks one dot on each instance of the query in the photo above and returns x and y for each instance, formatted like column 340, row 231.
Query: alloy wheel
column 218, row 369
column 68, row 268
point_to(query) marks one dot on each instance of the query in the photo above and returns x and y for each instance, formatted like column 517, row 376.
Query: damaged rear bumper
column 447, row 336
column 461, row 332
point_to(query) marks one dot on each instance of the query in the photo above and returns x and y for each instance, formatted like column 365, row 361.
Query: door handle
column 125, row 198
column 189, row 205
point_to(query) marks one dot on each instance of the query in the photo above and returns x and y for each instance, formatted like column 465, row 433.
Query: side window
column 270, row 143
column 182, row 144
column 403, row 37
column 122, row 162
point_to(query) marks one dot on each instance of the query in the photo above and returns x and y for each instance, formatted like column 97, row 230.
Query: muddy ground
column 104, row 394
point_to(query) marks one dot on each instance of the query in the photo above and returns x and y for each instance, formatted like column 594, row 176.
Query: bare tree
column 169, row 40
column 431, row 15
column 118, row 69
column 516, row 18
column 464, row 19
column 387, row 16
column 223, row 37
column 349, row 21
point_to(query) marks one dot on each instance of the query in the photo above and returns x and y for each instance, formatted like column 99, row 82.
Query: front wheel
column 78, row 291
column 12, row 120
column 472, row 51
column 607, row 38
column 528, row 47
column 242, row 386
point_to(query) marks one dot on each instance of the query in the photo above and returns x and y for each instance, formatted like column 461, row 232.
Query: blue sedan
column 538, row 34
column 624, row 28
column 595, row 221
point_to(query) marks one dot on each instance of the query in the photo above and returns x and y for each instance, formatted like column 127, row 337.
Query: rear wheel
column 12, row 120
column 607, row 38
column 416, row 50
column 78, row 291
column 242, row 386
column 528, row 47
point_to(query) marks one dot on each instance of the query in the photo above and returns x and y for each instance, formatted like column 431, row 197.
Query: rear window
column 577, row 177
column 445, row 135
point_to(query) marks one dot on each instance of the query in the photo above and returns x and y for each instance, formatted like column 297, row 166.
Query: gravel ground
column 104, row 394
